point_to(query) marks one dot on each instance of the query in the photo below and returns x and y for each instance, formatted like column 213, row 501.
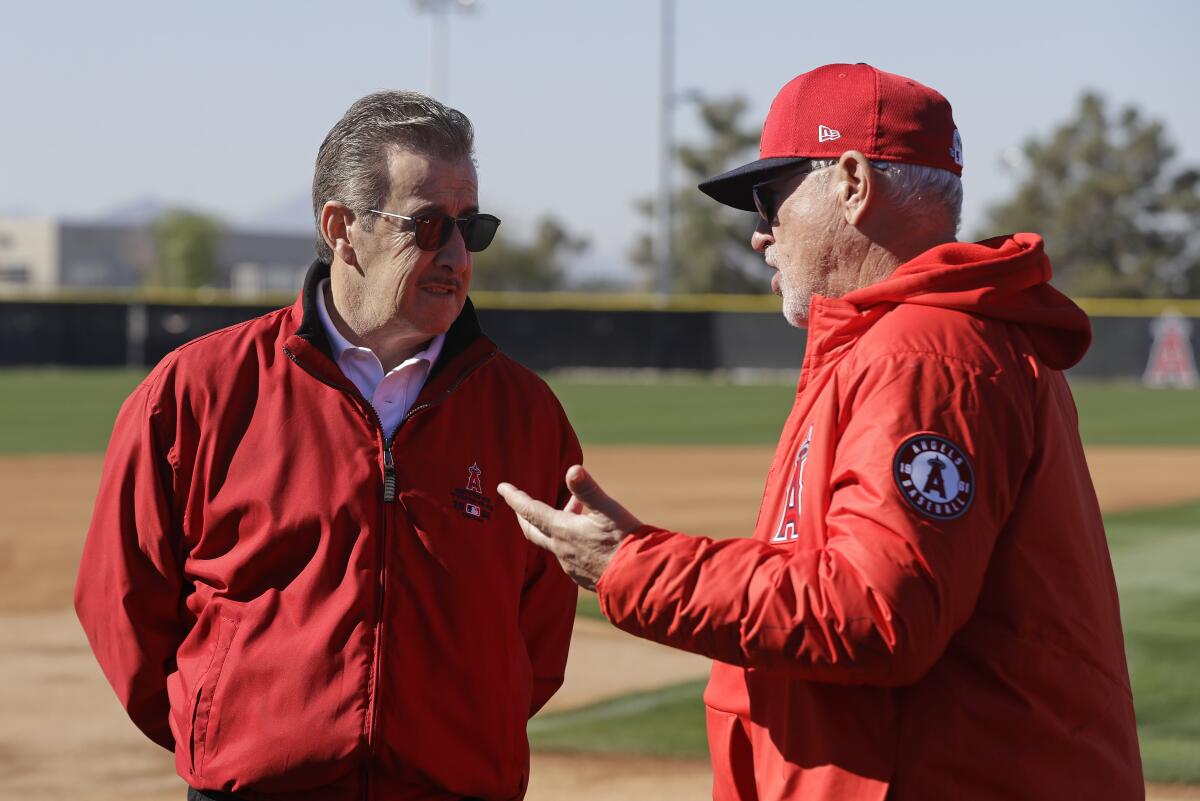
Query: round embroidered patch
column 934, row 476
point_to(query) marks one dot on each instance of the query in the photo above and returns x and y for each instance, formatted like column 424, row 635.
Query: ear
column 336, row 219
column 855, row 186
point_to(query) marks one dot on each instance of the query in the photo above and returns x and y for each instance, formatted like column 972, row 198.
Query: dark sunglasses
column 433, row 231
column 767, row 200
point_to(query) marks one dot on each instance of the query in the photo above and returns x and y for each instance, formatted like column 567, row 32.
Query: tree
column 187, row 243
column 711, row 242
column 1120, row 219
column 534, row 266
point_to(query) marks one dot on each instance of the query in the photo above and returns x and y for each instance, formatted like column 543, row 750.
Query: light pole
column 439, row 41
column 666, row 146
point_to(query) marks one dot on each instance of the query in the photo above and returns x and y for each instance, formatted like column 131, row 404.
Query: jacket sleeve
column 549, row 598
column 128, row 594
column 878, row 603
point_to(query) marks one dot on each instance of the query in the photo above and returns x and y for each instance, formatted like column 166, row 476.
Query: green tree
column 187, row 243
column 1119, row 217
column 533, row 266
column 711, row 242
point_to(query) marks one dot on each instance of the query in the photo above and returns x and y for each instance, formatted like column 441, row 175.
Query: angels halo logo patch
column 934, row 476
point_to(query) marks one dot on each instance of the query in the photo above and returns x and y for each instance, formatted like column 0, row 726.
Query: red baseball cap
column 823, row 113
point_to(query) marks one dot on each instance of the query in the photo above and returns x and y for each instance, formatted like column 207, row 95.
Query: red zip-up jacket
column 303, row 610
column 927, row 609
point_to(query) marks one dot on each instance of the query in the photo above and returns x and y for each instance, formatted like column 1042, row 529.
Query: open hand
column 584, row 535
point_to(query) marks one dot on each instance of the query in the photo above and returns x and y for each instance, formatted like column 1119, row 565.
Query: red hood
column 1004, row 278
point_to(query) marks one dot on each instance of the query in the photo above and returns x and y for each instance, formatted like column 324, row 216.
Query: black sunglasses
column 766, row 200
column 433, row 231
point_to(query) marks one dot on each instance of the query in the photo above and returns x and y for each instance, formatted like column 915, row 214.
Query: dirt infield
column 62, row 734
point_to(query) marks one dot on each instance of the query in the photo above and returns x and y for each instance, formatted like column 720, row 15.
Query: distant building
column 43, row 254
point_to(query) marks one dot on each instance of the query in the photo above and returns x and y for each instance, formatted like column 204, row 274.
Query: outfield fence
column 551, row 331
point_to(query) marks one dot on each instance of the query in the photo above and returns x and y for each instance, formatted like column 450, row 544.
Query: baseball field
column 684, row 452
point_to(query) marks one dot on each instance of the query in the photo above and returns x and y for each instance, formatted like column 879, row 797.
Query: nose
column 454, row 253
column 762, row 238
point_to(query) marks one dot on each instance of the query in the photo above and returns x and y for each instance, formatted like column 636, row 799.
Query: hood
column 1005, row 278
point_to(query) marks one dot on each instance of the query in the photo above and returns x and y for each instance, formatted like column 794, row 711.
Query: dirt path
column 62, row 731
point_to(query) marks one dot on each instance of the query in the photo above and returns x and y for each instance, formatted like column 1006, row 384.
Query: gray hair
column 352, row 163
column 920, row 191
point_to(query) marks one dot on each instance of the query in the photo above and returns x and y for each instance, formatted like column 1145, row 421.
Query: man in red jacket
column 297, row 575
column 927, row 609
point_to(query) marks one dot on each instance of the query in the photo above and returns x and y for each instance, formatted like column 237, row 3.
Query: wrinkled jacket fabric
column 867, row 648
column 297, row 619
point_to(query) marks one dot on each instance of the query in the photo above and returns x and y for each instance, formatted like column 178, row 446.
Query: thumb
column 587, row 491
column 584, row 487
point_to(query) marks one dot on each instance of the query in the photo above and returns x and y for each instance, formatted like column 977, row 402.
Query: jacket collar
column 464, row 334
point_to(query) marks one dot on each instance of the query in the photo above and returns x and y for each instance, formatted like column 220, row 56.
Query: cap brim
column 733, row 188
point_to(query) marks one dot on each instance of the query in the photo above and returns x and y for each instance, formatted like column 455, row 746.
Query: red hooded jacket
column 303, row 610
column 927, row 609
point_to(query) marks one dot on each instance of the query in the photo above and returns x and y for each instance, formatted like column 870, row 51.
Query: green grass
column 675, row 411
column 665, row 722
column 1156, row 556
column 587, row 606
column 63, row 410
column 1129, row 414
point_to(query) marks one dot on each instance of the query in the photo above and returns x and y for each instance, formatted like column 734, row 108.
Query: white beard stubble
column 797, row 296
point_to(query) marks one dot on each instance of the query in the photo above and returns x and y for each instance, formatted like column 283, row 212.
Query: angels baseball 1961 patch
column 934, row 476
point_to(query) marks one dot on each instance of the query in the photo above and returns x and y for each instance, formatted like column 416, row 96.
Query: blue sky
column 221, row 105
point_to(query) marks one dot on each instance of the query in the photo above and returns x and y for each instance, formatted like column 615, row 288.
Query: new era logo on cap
column 884, row 116
column 827, row 134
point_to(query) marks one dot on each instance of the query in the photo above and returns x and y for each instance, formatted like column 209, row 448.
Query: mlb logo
column 473, row 510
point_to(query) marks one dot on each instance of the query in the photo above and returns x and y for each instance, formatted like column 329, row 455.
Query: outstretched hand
column 584, row 535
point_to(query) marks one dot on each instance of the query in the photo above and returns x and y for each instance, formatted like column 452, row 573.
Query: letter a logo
column 473, row 475
column 790, row 519
column 1172, row 361
column 934, row 482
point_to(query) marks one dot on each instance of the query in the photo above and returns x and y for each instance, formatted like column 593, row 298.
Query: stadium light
column 439, row 40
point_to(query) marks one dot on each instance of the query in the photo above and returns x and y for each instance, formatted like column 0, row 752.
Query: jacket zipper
column 389, row 475
column 389, row 496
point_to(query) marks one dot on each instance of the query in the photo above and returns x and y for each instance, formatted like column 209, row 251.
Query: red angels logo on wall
column 1172, row 360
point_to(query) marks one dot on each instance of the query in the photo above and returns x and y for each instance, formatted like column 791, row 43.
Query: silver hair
column 920, row 191
column 352, row 163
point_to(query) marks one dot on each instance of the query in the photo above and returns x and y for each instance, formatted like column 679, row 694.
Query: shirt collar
column 339, row 344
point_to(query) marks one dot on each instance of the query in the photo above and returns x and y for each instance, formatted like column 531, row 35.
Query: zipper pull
column 389, row 476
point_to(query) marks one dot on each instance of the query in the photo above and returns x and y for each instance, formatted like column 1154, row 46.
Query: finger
column 588, row 491
column 534, row 511
column 536, row 535
column 517, row 498
column 574, row 506
column 584, row 487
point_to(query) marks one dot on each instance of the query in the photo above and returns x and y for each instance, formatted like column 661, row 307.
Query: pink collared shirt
column 391, row 395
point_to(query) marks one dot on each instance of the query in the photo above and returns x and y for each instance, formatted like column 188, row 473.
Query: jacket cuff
column 610, row 588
